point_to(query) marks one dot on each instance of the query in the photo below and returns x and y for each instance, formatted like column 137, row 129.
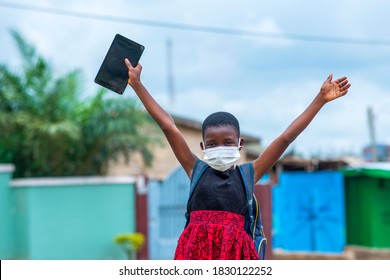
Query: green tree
column 49, row 129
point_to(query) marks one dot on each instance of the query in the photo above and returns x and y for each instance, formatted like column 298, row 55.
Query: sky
column 266, row 82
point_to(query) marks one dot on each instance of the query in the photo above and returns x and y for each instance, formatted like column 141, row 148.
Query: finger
column 344, row 90
column 343, row 83
column 128, row 64
column 330, row 77
column 346, row 87
column 339, row 80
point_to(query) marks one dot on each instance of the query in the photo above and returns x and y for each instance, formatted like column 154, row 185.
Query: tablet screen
column 113, row 73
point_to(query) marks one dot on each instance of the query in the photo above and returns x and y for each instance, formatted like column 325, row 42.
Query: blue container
column 308, row 212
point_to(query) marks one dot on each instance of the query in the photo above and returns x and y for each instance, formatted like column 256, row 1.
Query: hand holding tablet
column 113, row 73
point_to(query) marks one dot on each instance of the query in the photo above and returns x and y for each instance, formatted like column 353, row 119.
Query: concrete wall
column 65, row 218
column 7, row 244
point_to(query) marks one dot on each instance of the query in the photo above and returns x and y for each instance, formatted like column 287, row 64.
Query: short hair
column 221, row 119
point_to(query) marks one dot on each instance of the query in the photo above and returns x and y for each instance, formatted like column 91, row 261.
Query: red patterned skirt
column 215, row 235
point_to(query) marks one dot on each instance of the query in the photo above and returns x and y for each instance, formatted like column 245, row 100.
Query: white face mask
column 221, row 158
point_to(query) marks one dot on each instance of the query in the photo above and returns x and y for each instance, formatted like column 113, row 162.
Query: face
column 220, row 136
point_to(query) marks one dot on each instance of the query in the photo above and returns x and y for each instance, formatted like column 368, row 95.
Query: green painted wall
column 7, row 244
column 21, row 224
column 70, row 218
column 367, row 194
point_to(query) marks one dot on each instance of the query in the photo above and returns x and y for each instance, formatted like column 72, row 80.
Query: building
column 382, row 150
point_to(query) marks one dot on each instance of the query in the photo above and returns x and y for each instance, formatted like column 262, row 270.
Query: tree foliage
column 48, row 128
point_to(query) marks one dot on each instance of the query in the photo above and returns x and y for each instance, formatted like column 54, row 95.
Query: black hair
column 221, row 119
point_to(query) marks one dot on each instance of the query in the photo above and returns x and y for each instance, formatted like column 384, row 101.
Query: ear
column 201, row 146
column 241, row 142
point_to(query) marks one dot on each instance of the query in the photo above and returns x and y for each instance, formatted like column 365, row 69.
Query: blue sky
column 265, row 82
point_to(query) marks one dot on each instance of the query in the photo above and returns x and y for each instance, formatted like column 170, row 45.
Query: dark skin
column 226, row 135
column 220, row 136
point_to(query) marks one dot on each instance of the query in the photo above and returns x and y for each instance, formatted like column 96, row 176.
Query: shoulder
column 199, row 168
column 246, row 166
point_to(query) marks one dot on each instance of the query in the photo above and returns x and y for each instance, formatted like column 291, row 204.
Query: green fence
column 64, row 218
column 7, row 244
column 367, row 194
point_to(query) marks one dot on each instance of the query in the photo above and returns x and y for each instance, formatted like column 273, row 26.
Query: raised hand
column 134, row 73
column 331, row 90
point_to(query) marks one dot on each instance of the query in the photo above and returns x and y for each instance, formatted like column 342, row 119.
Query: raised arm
column 330, row 90
column 175, row 139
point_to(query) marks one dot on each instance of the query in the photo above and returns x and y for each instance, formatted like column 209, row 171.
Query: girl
column 217, row 206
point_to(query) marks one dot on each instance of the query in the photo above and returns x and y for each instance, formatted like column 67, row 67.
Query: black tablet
column 113, row 73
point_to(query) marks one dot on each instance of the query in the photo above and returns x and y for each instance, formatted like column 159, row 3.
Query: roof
column 295, row 163
column 376, row 165
column 372, row 169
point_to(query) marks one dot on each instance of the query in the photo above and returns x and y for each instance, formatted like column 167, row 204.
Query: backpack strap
column 247, row 174
column 256, row 222
column 199, row 168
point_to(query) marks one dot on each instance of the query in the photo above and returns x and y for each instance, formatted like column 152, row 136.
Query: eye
column 210, row 145
column 229, row 143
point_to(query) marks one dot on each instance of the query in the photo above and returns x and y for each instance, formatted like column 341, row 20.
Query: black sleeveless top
column 217, row 190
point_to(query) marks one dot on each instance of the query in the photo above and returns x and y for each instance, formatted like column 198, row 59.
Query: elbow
column 286, row 139
column 168, row 126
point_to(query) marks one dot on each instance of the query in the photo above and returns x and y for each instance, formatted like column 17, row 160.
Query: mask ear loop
column 204, row 147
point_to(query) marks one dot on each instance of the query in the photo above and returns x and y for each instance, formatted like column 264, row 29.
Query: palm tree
column 112, row 128
column 48, row 129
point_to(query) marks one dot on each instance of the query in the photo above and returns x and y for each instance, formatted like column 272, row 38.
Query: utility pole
column 171, row 90
column 371, row 128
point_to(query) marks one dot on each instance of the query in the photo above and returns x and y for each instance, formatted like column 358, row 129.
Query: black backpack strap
column 258, row 226
column 247, row 174
column 199, row 168
column 253, row 222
